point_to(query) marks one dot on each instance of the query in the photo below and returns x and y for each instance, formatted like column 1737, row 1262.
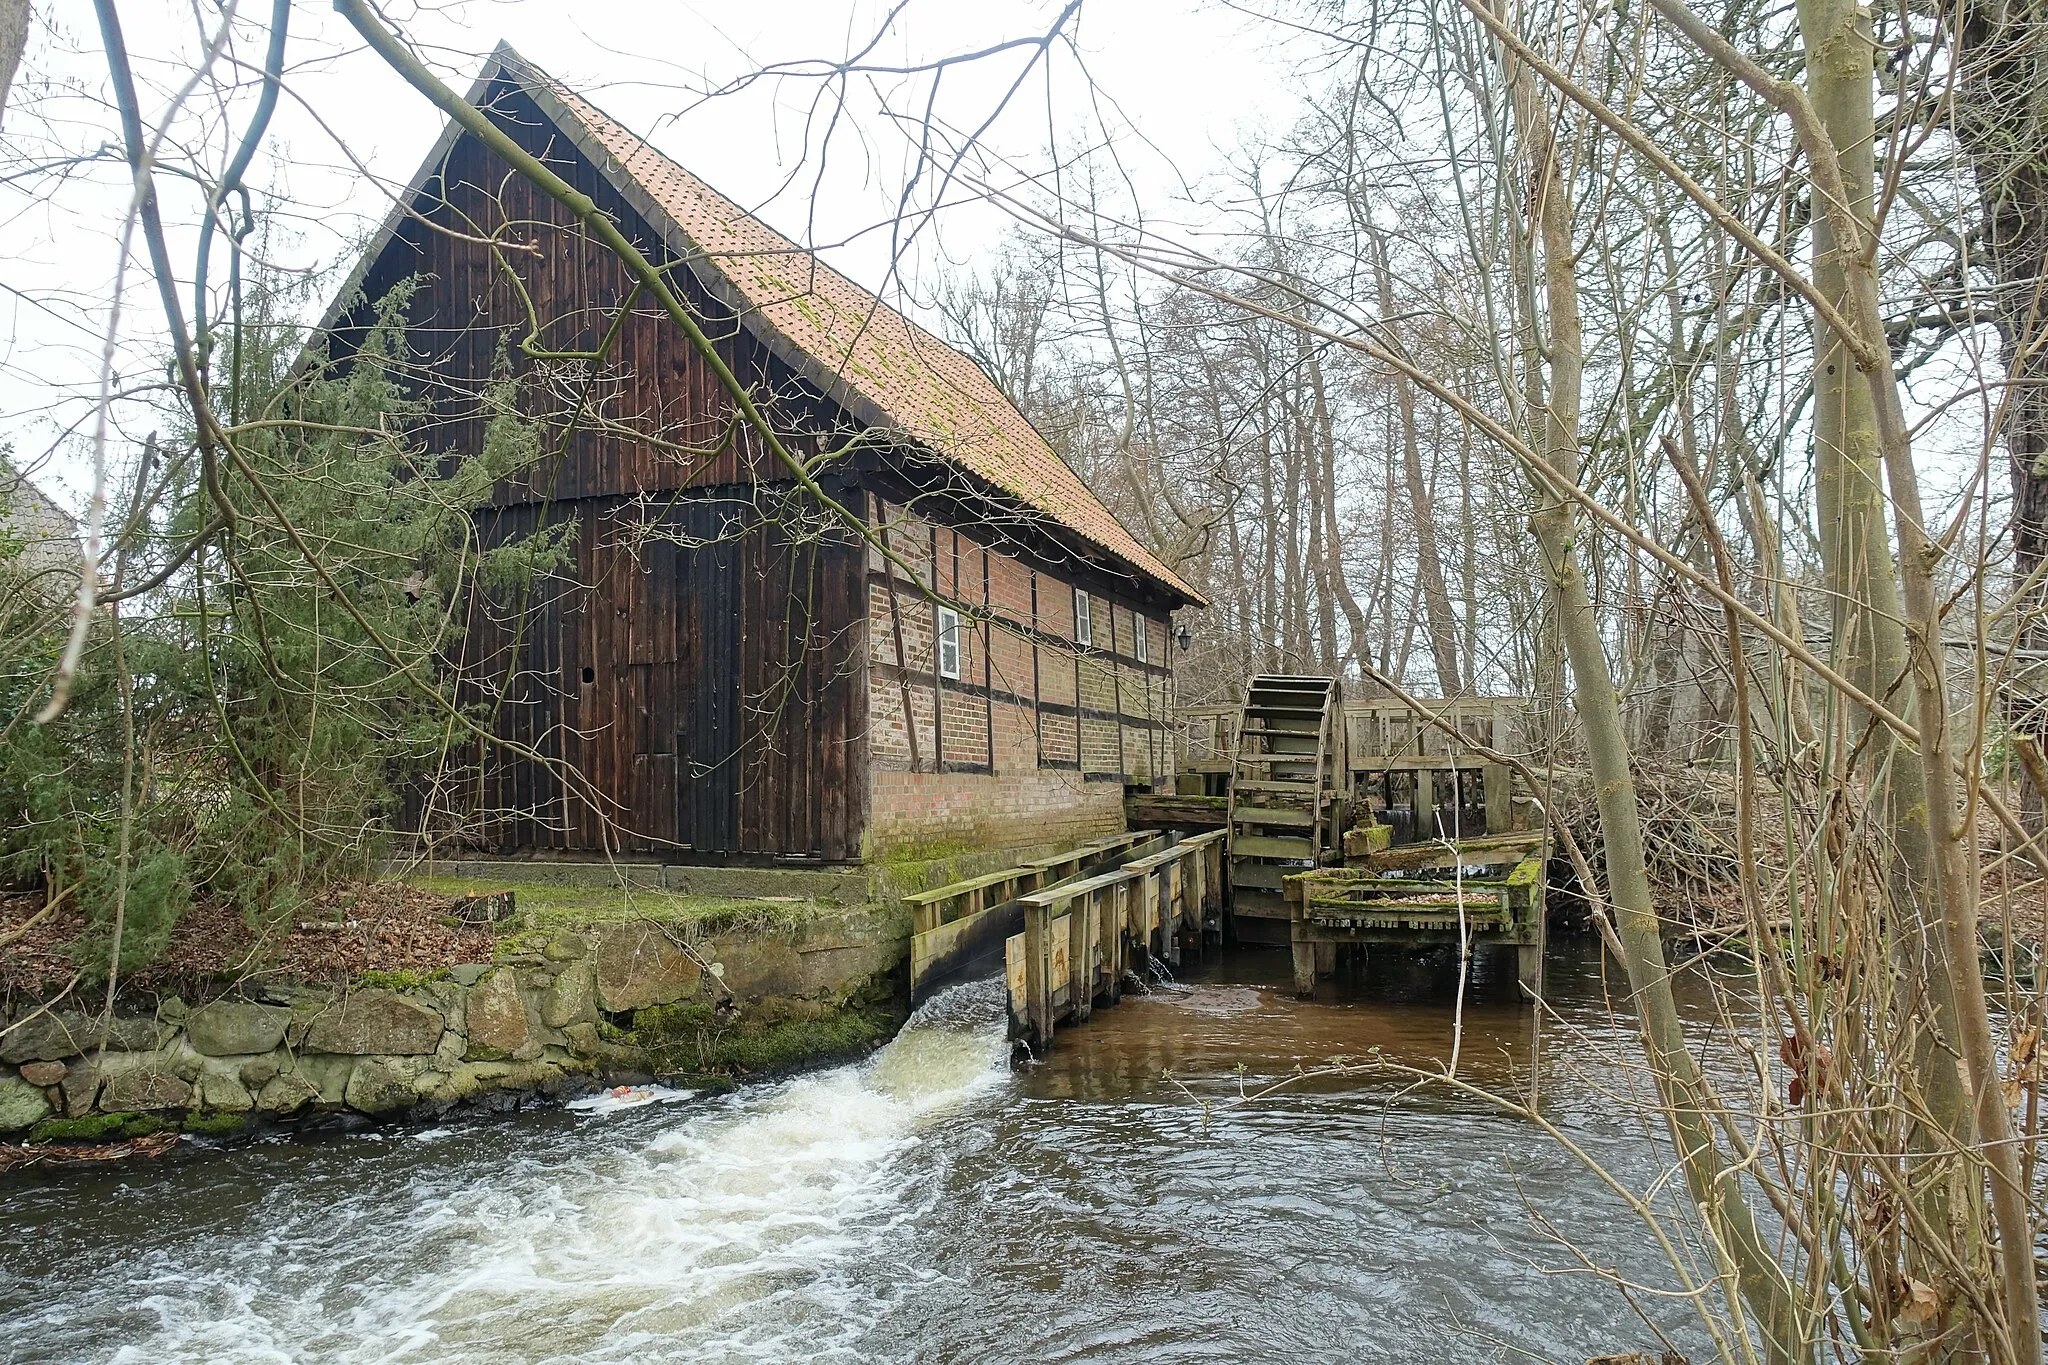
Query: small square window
column 1084, row 622
column 949, row 643
column 1141, row 639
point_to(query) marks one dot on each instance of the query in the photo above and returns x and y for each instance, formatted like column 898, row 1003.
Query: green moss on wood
column 545, row 907
column 218, row 1124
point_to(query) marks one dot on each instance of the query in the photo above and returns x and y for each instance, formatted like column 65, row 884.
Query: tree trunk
column 1869, row 611
column 1340, row 582
column 14, row 17
column 1429, row 568
column 2002, row 123
column 1759, row 1277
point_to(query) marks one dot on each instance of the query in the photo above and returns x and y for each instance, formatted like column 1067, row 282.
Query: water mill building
column 725, row 671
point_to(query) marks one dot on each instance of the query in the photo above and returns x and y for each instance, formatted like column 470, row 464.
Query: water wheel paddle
column 1287, row 796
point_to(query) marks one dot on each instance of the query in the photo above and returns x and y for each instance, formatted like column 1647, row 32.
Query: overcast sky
column 1175, row 86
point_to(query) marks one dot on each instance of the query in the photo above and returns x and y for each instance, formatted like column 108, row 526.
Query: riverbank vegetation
column 1681, row 372
column 238, row 723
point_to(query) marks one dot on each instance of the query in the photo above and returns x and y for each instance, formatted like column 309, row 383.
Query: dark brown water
column 1114, row 1203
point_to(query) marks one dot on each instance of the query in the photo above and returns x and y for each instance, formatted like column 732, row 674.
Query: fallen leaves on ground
column 348, row 929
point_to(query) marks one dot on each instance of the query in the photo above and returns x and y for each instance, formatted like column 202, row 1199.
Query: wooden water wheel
column 1287, row 796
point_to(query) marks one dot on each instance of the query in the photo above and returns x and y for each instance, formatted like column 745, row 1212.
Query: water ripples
column 1108, row 1204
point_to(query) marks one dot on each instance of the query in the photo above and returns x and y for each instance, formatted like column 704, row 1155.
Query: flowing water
column 1113, row 1203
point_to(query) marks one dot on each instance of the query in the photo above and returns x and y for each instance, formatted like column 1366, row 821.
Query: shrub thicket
column 246, row 731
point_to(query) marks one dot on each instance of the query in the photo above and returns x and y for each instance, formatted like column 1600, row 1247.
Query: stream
column 1115, row 1202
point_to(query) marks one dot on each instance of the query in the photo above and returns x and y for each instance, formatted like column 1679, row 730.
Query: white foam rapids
column 715, row 1232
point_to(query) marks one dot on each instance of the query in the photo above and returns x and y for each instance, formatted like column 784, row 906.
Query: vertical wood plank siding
column 689, row 683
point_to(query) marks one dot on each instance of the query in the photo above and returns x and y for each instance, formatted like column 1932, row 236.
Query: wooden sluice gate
column 1418, row 840
column 1081, row 938
column 1110, row 905
column 1467, row 893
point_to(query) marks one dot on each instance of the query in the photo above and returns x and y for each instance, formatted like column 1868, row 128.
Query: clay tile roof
column 907, row 379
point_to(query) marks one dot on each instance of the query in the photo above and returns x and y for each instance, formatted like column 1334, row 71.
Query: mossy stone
column 235, row 1028
column 497, row 1017
column 49, row 1036
column 146, row 1088
column 286, row 1093
column 328, row 1075
column 89, row 1128
column 670, row 1022
column 401, row 980
column 378, row 1087
column 639, row 965
column 21, row 1105
column 572, row 999
column 797, row 1043
column 99, row 1127
column 567, row 947
column 221, row 1089
column 257, row 1071
column 365, row 1023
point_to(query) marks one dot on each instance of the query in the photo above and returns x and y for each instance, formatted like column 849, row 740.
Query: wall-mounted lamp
column 1182, row 638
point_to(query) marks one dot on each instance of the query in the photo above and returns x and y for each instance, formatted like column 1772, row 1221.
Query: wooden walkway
column 1109, row 905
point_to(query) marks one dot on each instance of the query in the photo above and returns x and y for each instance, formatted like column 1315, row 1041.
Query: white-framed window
column 1084, row 618
column 949, row 643
column 1141, row 639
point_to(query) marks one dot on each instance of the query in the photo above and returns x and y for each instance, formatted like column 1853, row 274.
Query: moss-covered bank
column 585, row 988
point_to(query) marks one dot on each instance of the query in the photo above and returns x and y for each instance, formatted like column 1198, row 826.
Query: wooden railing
column 1082, row 936
column 958, row 900
column 961, row 927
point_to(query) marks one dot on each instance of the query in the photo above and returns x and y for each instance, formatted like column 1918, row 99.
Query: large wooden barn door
column 708, row 738
column 700, row 677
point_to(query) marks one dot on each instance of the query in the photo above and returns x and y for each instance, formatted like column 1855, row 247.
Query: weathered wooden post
column 1304, row 953
column 1174, row 892
column 1500, row 798
column 1173, row 910
column 1525, row 899
column 1116, row 917
column 1037, row 975
column 1080, row 957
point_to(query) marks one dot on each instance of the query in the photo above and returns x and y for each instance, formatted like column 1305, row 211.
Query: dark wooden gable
column 689, row 685
column 468, row 310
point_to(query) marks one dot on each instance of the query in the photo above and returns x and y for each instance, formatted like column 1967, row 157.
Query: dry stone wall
column 560, row 1010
